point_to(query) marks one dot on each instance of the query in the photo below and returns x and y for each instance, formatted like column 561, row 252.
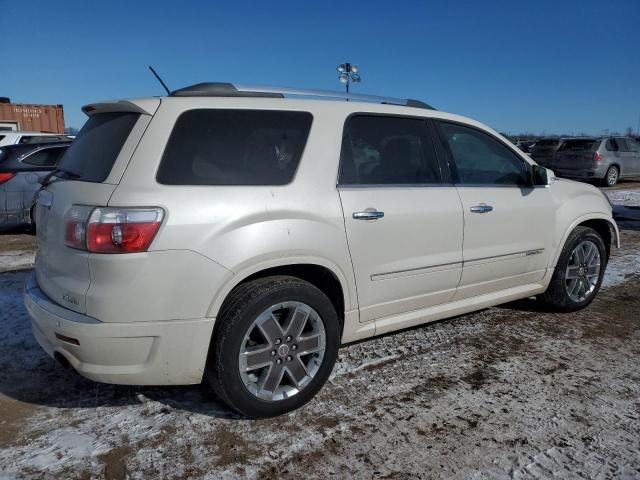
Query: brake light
column 122, row 230
column 112, row 230
column 6, row 176
column 597, row 157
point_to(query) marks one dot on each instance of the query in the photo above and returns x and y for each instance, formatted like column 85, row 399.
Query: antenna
column 160, row 80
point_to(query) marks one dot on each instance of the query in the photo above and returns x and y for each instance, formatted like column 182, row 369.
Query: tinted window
column 2, row 136
column 380, row 150
column 481, row 159
column 94, row 151
column 611, row 145
column 30, row 139
column 580, row 144
column 622, row 145
column 234, row 147
column 47, row 157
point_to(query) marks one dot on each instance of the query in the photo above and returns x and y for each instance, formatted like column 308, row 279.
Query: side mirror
column 539, row 176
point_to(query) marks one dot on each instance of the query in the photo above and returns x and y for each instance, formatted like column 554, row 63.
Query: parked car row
column 605, row 159
column 22, row 166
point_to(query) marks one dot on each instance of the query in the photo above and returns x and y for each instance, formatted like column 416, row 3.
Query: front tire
column 275, row 345
column 579, row 272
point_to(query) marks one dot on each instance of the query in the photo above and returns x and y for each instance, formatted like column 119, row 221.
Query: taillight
column 597, row 157
column 75, row 226
column 114, row 230
column 6, row 176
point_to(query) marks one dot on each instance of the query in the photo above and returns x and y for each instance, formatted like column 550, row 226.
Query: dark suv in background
column 543, row 150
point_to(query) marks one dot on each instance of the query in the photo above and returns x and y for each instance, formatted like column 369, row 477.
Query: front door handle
column 482, row 208
column 368, row 215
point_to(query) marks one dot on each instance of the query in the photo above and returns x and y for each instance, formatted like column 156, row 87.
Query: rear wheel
column 275, row 346
column 578, row 273
column 611, row 177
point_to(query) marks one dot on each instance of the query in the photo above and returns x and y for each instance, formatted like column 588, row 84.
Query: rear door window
column 94, row 151
column 379, row 150
column 47, row 157
column 611, row 145
column 622, row 144
column 234, row 147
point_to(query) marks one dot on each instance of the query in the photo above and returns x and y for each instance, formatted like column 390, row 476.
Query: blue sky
column 538, row 66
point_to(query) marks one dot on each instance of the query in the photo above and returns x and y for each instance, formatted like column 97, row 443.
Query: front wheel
column 578, row 273
column 274, row 348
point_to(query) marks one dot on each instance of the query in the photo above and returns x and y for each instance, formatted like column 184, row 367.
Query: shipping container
column 27, row 116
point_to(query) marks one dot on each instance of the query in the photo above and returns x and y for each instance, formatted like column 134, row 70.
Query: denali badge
column 68, row 298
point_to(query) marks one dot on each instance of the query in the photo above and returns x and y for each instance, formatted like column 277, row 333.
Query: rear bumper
column 585, row 174
column 136, row 353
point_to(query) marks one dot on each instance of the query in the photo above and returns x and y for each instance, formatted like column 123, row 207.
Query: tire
column 557, row 297
column 611, row 177
column 239, row 341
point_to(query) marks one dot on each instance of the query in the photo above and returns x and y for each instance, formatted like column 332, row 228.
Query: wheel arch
column 601, row 223
column 322, row 274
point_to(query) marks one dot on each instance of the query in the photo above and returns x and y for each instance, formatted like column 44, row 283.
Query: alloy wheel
column 583, row 271
column 282, row 351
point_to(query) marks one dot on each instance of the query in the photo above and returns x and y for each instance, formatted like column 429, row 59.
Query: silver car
column 21, row 168
column 605, row 159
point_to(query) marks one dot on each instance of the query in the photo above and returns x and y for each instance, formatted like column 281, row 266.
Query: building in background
column 32, row 117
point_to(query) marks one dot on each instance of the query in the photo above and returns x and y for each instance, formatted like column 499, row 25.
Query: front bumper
column 170, row 352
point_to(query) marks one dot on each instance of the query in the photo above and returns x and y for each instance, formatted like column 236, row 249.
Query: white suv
column 239, row 236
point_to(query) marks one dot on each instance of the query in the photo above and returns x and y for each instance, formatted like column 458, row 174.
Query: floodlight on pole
column 348, row 73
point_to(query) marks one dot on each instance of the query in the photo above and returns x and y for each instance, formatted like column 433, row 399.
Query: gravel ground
column 509, row 392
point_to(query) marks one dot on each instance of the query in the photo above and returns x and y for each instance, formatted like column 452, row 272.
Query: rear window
column 94, row 151
column 234, row 147
column 580, row 144
column 547, row 143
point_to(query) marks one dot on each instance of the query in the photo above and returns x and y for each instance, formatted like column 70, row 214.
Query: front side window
column 47, row 157
column 379, row 150
column 481, row 159
column 234, row 147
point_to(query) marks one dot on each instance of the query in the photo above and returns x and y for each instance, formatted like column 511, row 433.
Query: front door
column 403, row 224
column 508, row 224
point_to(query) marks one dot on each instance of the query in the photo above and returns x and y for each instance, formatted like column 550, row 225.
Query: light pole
column 348, row 72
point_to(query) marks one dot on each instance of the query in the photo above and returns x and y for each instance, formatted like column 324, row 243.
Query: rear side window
column 234, row 147
column 378, row 150
column 611, row 145
column 94, row 151
column 47, row 157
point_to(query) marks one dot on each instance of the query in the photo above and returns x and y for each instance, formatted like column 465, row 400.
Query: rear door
column 508, row 225
column 403, row 218
column 634, row 148
column 628, row 157
column 94, row 162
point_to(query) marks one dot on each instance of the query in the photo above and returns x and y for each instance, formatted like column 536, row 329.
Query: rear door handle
column 368, row 215
column 482, row 208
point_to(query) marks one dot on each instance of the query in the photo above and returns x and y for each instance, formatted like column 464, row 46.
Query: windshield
column 94, row 151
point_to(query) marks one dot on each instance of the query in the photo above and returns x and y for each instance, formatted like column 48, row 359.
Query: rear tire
column 274, row 346
column 611, row 177
column 579, row 272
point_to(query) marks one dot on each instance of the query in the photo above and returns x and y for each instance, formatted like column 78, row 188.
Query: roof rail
column 221, row 89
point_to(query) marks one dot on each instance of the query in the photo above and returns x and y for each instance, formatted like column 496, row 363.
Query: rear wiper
column 56, row 173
